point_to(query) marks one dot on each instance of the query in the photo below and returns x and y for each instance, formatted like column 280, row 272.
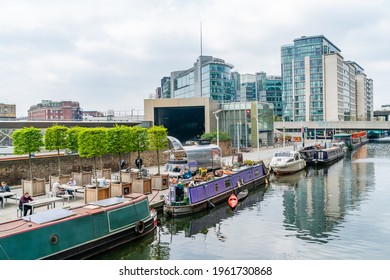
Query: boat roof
column 55, row 215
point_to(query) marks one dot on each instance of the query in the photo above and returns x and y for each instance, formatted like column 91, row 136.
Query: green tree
column 56, row 138
column 158, row 141
column 118, row 144
column 212, row 135
column 27, row 140
column 93, row 143
column 139, row 141
column 73, row 143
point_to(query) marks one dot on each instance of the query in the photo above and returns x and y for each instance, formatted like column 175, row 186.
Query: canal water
column 340, row 212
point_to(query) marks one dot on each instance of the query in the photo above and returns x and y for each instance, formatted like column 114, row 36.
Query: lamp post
column 284, row 137
column 257, row 136
column 217, row 118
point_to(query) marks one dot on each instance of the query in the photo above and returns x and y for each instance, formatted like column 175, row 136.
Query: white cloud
column 112, row 54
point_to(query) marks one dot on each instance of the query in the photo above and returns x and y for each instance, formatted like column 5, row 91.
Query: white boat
column 287, row 162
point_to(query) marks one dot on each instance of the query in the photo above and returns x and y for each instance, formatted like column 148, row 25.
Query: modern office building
column 55, row 110
column 319, row 85
column 200, row 115
column 196, row 100
column 269, row 88
column 215, row 82
column 247, row 90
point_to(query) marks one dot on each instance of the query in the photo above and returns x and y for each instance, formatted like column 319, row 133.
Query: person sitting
column 25, row 199
column 72, row 182
column 56, row 189
column 4, row 188
column 187, row 173
column 176, row 169
column 144, row 172
column 103, row 182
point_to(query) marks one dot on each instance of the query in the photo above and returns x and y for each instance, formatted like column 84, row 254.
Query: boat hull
column 88, row 231
column 289, row 168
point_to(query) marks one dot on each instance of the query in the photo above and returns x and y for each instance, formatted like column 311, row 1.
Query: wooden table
column 43, row 202
column 74, row 189
column 6, row 195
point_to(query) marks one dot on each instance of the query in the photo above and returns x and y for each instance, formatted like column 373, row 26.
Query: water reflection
column 327, row 212
column 317, row 199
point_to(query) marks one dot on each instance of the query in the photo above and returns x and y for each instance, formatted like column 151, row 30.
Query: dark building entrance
column 183, row 123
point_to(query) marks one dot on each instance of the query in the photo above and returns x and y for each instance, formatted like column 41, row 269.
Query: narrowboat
column 287, row 162
column 352, row 140
column 79, row 232
column 307, row 153
column 190, row 197
column 329, row 155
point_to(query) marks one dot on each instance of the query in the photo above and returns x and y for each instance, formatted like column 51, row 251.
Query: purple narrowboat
column 189, row 197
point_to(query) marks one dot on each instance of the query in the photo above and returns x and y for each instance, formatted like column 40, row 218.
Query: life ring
column 54, row 239
column 140, row 227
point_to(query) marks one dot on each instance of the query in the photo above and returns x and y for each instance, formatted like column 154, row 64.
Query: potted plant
column 92, row 144
column 29, row 140
column 158, row 141
column 56, row 139
column 140, row 144
column 82, row 177
column 118, row 144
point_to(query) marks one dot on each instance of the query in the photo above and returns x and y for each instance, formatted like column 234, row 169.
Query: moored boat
column 287, row 162
column 307, row 153
column 352, row 140
column 78, row 232
column 190, row 197
column 329, row 155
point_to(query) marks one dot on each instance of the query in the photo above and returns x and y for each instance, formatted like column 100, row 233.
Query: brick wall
column 14, row 170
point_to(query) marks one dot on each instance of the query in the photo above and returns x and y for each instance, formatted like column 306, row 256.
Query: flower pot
column 142, row 186
column 160, row 182
column 119, row 189
column 35, row 187
column 105, row 172
column 82, row 178
column 63, row 179
column 93, row 193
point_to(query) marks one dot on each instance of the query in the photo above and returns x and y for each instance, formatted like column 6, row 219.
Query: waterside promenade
column 9, row 212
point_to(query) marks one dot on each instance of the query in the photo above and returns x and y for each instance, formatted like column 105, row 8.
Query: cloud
column 112, row 54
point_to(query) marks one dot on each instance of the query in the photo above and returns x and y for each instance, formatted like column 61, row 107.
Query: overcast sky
column 112, row 54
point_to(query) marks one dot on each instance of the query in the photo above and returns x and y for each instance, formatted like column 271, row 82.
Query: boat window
column 227, row 184
column 257, row 173
column 216, row 187
column 296, row 157
column 283, row 154
column 250, row 175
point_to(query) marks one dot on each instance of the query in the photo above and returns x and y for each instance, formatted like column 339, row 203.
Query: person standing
column 25, row 199
column 138, row 162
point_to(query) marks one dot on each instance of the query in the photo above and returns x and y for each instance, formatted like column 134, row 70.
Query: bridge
column 329, row 128
column 8, row 127
column 382, row 114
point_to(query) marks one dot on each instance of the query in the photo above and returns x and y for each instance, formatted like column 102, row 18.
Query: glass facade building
column 215, row 81
column 318, row 85
column 270, row 90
